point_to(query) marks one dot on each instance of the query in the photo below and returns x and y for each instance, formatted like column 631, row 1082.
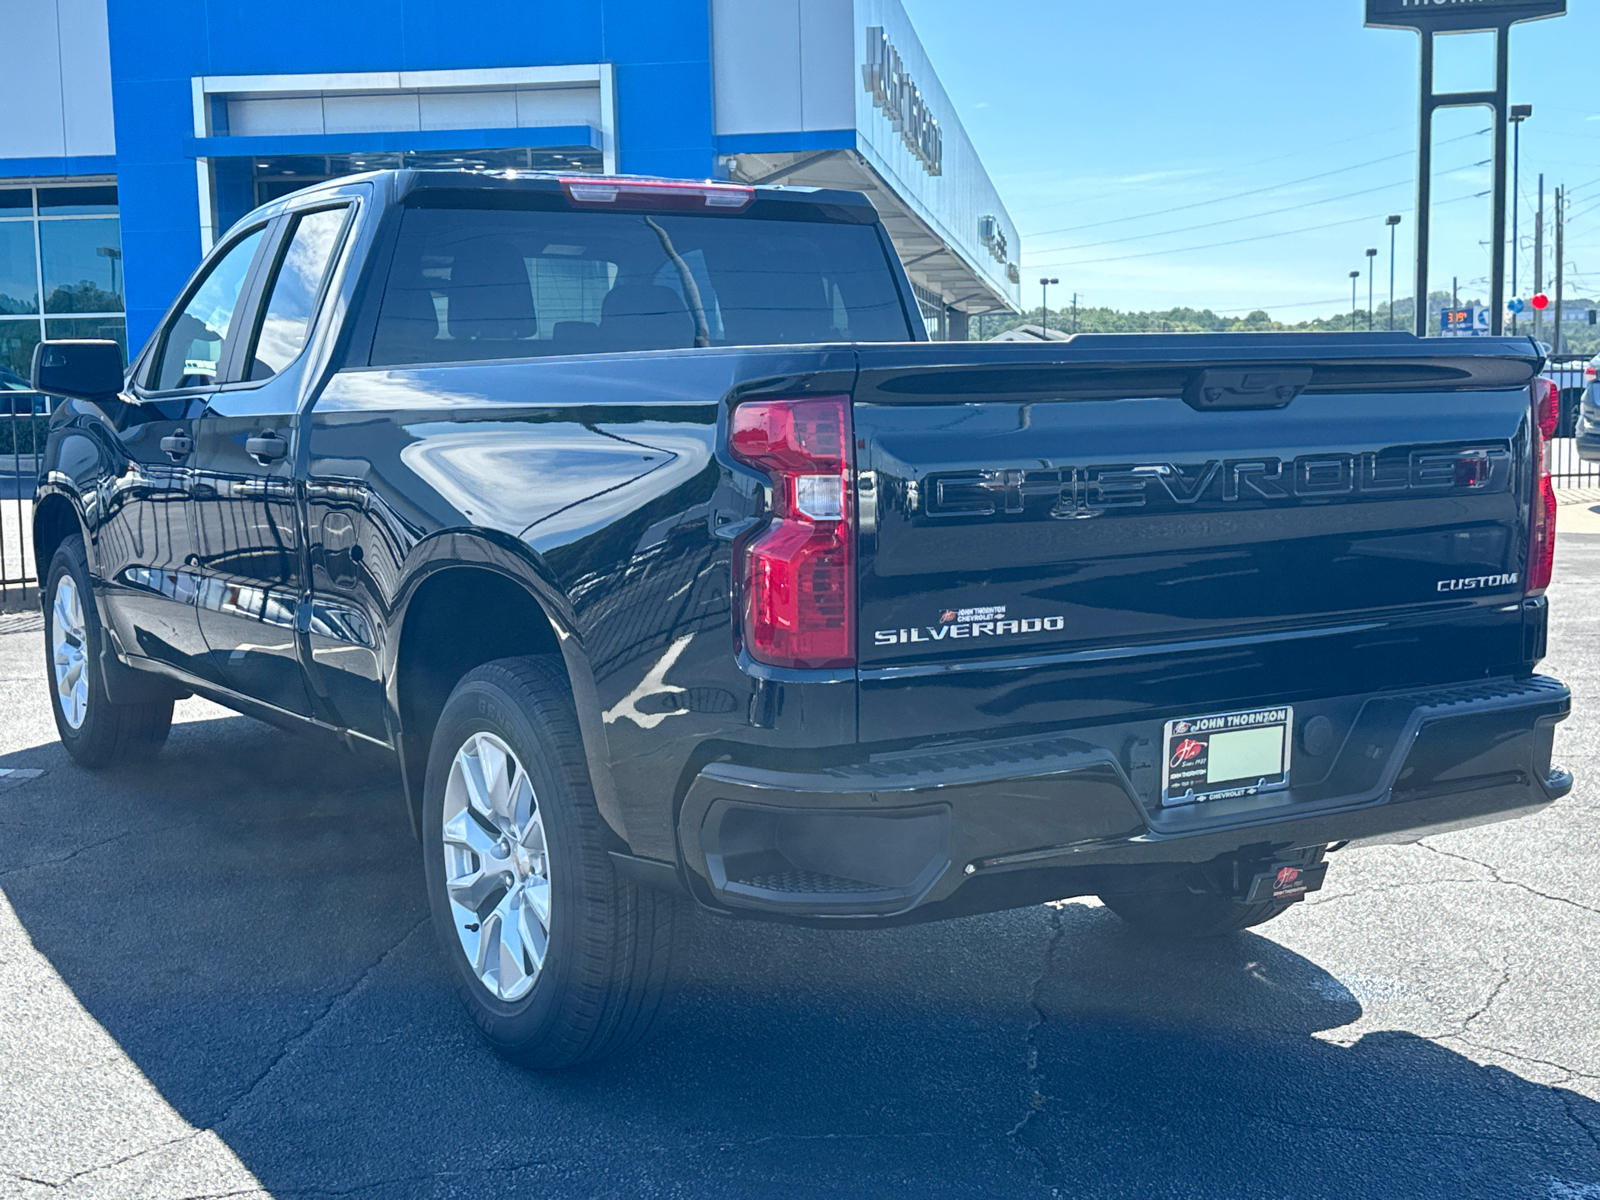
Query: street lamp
column 1372, row 257
column 1355, row 277
column 1519, row 114
column 1044, row 305
column 1393, row 223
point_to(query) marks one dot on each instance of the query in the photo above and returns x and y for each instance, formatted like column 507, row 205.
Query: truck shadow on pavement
column 245, row 917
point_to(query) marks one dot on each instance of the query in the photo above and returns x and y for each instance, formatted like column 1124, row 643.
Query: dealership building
column 135, row 132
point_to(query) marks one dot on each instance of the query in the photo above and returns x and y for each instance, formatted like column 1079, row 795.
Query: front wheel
column 1189, row 913
column 96, row 732
column 557, row 959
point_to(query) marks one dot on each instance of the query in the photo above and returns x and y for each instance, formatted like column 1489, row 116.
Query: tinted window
column 472, row 284
column 293, row 299
column 193, row 343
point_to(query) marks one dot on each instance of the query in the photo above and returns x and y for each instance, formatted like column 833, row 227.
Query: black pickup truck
column 640, row 524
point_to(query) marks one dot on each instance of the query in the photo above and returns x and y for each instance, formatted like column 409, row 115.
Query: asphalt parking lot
column 217, row 978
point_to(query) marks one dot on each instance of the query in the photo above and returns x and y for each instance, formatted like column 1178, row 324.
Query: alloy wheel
column 496, row 866
column 69, row 652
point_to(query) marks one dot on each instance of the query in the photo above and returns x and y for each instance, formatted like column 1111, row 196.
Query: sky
column 1132, row 142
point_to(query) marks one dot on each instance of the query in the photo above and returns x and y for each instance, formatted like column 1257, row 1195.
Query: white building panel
column 559, row 106
column 280, row 117
column 57, row 79
column 828, row 77
column 469, row 110
column 86, row 77
column 756, row 65
column 371, row 114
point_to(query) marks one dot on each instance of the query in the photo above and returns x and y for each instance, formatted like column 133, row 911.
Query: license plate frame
column 1188, row 759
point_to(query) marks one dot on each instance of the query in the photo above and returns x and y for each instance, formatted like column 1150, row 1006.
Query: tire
column 1192, row 914
column 609, row 949
column 96, row 732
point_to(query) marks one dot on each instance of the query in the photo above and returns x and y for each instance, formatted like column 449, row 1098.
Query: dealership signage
column 1457, row 15
column 893, row 91
column 994, row 238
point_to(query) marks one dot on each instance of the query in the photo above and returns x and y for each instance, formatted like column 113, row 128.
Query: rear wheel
column 1192, row 914
column 96, row 732
column 557, row 959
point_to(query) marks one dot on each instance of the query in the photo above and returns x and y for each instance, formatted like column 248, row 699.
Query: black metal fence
column 23, row 422
column 1567, row 469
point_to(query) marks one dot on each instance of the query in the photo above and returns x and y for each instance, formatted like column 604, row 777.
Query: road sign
column 1469, row 321
column 1453, row 16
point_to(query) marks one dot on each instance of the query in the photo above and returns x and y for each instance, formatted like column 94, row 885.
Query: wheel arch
column 55, row 519
column 460, row 613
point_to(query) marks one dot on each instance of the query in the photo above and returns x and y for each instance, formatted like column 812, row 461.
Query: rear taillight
column 798, row 578
column 1542, row 535
column 1589, row 372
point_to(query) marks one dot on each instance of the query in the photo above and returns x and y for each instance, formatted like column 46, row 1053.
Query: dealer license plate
column 1227, row 755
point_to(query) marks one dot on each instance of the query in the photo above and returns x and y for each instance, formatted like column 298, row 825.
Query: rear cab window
column 470, row 284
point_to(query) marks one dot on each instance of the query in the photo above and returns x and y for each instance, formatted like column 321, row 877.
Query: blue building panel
column 660, row 49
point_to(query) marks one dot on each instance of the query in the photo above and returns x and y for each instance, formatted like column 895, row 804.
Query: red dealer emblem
column 1288, row 876
column 1188, row 750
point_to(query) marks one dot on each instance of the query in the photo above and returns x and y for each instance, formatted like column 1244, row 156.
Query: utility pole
column 1372, row 257
column 1074, row 312
column 1519, row 114
column 1561, row 225
column 1455, row 291
column 1355, row 277
column 1393, row 222
column 1538, row 261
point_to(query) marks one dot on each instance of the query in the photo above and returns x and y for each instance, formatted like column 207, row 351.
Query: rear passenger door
column 247, row 501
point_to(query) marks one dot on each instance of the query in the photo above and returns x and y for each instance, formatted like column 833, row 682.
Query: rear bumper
column 977, row 827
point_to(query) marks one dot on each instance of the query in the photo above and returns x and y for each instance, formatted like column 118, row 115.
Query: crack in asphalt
column 1516, row 883
column 1567, row 1099
column 1494, row 994
column 116, row 1162
column 1317, row 899
column 426, row 1177
column 316, row 1022
column 1527, row 1058
column 53, row 862
column 1037, row 1100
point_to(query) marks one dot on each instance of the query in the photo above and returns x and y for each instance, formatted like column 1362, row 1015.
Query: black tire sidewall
column 483, row 703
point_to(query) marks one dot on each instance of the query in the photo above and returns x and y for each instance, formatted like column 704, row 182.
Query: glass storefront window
column 62, row 243
column 19, row 270
column 82, row 265
column 78, row 201
column 17, row 340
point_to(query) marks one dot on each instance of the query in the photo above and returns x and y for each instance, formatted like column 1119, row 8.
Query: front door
column 144, row 539
column 247, row 497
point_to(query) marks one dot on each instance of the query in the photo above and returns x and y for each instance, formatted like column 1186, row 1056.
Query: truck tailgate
column 1063, row 536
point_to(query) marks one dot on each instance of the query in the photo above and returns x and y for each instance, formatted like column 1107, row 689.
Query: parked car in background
column 640, row 525
column 1571, row 375
column 1587, row 430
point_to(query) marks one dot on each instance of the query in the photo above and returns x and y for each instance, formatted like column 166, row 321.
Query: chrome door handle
column 266, row 448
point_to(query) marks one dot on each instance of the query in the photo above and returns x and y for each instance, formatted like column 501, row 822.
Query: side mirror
column 84, row 370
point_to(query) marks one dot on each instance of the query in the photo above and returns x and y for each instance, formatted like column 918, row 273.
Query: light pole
column 1519, row 114
column 1355, row 277
column 1044, row 305
column 1393, row 223
column 1372, row 257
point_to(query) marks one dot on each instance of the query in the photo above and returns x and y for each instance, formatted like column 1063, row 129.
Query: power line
column 1238, row 241
column 1360, row 137
column 1244, row 195
column 1137, row 237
